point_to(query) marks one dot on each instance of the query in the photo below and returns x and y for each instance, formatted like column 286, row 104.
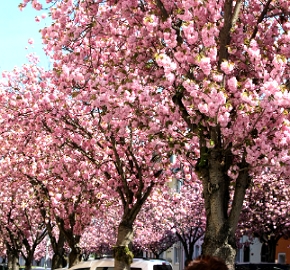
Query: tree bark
column 270, row 254
column 222, row 214
column 272, row 246
column 29, row 260
column 124, row 239
column 72, row 240
column 75, row 256
column 220, row 244
column 58, row 261
column 188, row 241
column 13, row 259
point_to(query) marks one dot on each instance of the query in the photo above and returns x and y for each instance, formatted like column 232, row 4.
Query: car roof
column 109, row 262
column 85, row 264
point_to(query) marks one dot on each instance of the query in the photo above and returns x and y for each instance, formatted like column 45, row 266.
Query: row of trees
column 135, row 82
column 167, row 217
column 31, row 220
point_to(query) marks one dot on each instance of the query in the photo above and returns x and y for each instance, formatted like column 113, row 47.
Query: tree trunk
column 72, row 240
column 222, row 213
column 122, row 251
column 28, row 260
column 13, row 260
column 269, row 250
column 58, row 261
column 272, row 246
column 157, row 255
column 188, row 241
column 75, row 256
column 221, row 244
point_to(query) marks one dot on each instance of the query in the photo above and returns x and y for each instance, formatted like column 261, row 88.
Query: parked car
column 137, row 264
column 33, row 267
column 261, row 266
column 3, row 266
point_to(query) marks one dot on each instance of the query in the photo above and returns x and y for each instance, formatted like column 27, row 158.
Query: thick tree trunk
column 123, row 246
column 75, row 256
column 220, row 244
column 13, row 260
column 272, row 249
column 268, row 253
column 28, row 260
column 58, row 261
column 221, row 212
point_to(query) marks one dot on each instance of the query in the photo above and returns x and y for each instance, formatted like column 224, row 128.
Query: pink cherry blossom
column 30, row 41
column 205, row 65
column 227, row 67
column 137, row 81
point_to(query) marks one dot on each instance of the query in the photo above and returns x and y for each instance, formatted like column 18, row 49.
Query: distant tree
column 21, row 226
column 188, row 216
column 266, row 213
column 63, row 184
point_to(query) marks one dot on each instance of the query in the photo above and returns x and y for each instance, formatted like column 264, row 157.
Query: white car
column 138, row 264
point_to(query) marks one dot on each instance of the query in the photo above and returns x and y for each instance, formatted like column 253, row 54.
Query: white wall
column 255, row 250
column 176, row 254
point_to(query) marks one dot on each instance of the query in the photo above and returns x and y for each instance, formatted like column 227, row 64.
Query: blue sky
column 16, row 27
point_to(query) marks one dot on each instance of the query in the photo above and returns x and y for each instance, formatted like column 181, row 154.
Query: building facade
column 254, row 252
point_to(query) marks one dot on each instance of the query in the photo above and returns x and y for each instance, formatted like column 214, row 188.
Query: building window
column 176, row 255
column 282, row 258
column 246, row 254
column 239, row 255
column 264, row 253
column 196, row 251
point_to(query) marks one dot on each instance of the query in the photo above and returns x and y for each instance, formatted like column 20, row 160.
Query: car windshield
column 162, row 267
column 261, row 266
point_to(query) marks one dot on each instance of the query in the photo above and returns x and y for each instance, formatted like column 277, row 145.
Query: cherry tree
column 125, row 159
column 209, row 77
column 22, row 228
column 65, row 186
column 121, row 169
column 100, row 237
column 68, row 201
column 170, row 216
column 188, row 216
column 11, row 242
column 266, row 213
column 153, row 231
column 154, row 241
column 80, row 155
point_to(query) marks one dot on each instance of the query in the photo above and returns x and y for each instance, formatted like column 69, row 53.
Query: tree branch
column 224, row 36
column 230, row 19
column 164, row 14
column 236, row 12
column 177, row 100
column 261, row 18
